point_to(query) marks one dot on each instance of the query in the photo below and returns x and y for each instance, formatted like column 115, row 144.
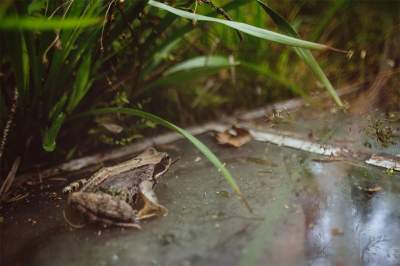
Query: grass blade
column 50, row 134
column 246, row 28
column 44, row 24
column 17, row 53
column 200, row 62
column 275, row 213
column 304, row 54
column 196, row 142
column 263, row 70
column 189, row 70
column 81, row 84
column 4, row 5
column 335, row 6
column 181, row 31
column 161, row 55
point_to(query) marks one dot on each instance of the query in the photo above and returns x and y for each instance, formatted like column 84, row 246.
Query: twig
column 56, row 42
column 385, row 161
column 96, row 159
column 10, row 120
column 104, row 24
column 335, row 153
column 5, row 187
column 297, row 143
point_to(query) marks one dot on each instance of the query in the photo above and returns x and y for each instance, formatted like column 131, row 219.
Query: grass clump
column 60, row 59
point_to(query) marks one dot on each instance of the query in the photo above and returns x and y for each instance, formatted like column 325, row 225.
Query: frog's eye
column 162, row 167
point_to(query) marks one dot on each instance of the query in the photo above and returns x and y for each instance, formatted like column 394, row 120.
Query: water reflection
column 348, row 225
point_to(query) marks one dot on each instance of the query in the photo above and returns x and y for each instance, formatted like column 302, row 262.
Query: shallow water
column 304, row 213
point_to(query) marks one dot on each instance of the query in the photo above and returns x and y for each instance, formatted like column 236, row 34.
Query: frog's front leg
column 151, row 206
column 101, row 207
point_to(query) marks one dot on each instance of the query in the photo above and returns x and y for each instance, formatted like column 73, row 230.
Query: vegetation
column 62, row 59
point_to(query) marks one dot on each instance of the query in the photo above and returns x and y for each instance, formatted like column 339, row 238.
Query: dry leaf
column 234, row 137
column 110, row 124
column 113, row 128
column 337, row 232
column 373, row 189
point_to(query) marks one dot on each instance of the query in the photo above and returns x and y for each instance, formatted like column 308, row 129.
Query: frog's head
column 160, row 160
column 162, row 166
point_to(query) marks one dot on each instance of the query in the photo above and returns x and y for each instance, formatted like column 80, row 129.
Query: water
column 305, row 213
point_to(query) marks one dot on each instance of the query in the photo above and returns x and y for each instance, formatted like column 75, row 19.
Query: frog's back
column 128, row 179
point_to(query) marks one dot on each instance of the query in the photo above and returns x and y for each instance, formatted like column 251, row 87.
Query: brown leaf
column 373, row 189
column 113, row 128
column 235, row 137
column 337, row 232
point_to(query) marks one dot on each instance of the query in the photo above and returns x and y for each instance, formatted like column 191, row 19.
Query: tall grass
column 273, row 67
column 64, row 58
column 55, row 56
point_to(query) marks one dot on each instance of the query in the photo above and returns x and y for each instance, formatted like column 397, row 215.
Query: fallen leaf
column 373, row 189
column 223, row 193
column 113, row 128
column 235, row 137
column 337, row 232
column 110, row 124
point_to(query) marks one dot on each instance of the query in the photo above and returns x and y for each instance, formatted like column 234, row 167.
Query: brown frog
column 122, row 195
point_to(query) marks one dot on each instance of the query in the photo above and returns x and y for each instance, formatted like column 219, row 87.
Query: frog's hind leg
column 74, row 186
column 151, row 206
column 109, row 222
column 101, row 207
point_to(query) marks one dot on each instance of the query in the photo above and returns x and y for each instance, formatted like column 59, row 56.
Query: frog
column 121, row 195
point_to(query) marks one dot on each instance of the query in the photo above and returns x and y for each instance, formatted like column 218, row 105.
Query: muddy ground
column 306, row 211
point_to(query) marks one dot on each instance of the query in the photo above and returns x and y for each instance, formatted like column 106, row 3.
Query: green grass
column 44, row 24
column 304, row 54
column 243, row 27
column 63, row 57
column 67, row 58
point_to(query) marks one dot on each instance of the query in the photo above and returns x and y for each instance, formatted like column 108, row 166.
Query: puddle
column 305, row 213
